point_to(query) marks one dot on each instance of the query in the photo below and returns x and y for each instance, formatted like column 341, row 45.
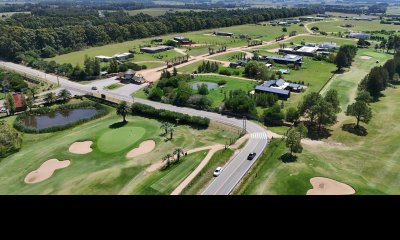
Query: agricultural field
column 155, row 12
column 334, row 26
column 393, row 10
column 105, row 170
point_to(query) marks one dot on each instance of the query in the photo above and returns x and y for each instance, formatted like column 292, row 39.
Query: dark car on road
column 251, row 156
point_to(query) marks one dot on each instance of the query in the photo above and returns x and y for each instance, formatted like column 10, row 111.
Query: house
column 305, row 19
column 156, row 49
column 282, row 23
column 157, row 40
column 358, row 35
column 19, row 102
column 279, row 87
column 287, row 59
column 306, row 51
column 268, row 65
column 293, row 21
column 243, row 36
column 103, row 58
column 182, row 40
column 328, row 46
column 283, row 71
column 226, row 34
column 122, row 56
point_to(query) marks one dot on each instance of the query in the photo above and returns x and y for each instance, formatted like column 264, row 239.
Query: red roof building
column 20, row 102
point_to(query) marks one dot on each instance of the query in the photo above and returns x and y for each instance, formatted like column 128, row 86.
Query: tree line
column 25, row 35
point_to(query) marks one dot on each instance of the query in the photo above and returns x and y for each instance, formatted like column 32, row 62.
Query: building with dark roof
column 279, row 87
column 156, row 49
column 282, row 94
column 226, row 34
column 182, row 40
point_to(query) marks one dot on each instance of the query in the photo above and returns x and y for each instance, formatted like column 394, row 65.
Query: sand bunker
column 46, row 170
column 327, row 186
column 144, row 147
column 365, row 58
column 81, row 147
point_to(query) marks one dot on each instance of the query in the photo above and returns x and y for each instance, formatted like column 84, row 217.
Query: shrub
column 165, row 115
column 221, row 82
column 225, row 72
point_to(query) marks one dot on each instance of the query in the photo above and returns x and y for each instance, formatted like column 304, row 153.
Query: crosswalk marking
column 259, row 135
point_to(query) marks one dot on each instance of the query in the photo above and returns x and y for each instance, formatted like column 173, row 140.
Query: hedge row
column 19, row 125
column 165, row 115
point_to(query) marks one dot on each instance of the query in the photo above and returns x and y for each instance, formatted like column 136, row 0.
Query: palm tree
column 168, row 159
column 65, row 95
column 123, row 110
column 171, row 131
column 33, row 90
column 30, row 102
column 165, row 126
column 178, row 152
column 50, row 98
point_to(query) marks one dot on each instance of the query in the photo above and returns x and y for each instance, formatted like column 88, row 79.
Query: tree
column 203, row 89
column 30, row 102
column 240, row 103
column 274, row 115
column 10, row 139
column 171, row 131
column 96, row 67
column 292, row 114
column 113, row 68
column 324, row 112
column 88, row 63
column 293, row 142
column 376, row 81
column 50, row 98
column 178, row 152
column 167, row 158
column 332, row 98
column 123, row 110
column 165, row 126
column 364, row 96
column 396, row 78
column 64, row 95
column 34, row 90
column 302, row 129
column 284, row 29
column 10, row 105
column 341, row 60
column 156, row 94
column 361, row 111
column 175, row 72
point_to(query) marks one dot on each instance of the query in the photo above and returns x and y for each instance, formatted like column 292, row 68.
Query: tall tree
column 64, row 95
column 332, row 98
column 50, row 98
column 10, row 105
column 302, row 129
column 361, row 111
column 10, row 139
column 341, row 60
column 123, row 110
column 178, row 152
column 293, row 142
column 171, row 131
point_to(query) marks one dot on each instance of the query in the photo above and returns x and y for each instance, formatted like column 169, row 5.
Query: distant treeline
column 355, row 9
column 23, row 36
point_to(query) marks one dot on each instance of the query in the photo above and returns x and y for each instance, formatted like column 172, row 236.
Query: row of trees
column 380, row 77
column 208, row 67
column 46, row 35
column 10, row 140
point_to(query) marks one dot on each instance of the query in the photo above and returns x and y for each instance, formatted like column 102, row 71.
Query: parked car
column 251, row 156
column 94, row 88
column 217, row 171
column 3, row 110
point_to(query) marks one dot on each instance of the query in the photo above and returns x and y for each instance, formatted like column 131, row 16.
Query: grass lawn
column 229, row 57
column 346, row 84
column 334, row 26
column 155, row 12
column 202, row 179
column 166, row 180
column 314, row 74
column 281, row 130
column 106, row 170
column 2, row 96
column 151, row 65
column 113, row 86
column 218, row 95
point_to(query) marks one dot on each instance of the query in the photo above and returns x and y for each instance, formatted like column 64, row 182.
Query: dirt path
column 181, row 51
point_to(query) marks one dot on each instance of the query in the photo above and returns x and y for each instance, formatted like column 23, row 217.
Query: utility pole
column 244, row 124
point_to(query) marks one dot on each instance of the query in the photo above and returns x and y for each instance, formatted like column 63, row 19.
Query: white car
column 3, row 110
column 217, row 171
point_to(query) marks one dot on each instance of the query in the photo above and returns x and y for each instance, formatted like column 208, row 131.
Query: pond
column 58, row 118
column 210, row 85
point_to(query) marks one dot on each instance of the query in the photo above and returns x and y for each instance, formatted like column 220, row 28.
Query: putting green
column 116, row 140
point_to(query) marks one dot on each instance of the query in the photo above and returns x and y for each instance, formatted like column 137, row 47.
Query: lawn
column 334, row 26
column 106, row 170
column 113, row 86
column 228, row 57
column 218, row 95
column 166, row 180
column 2, row 96
column 314, row 74
column 220, row 158
column 151, row 65
column 346, row 84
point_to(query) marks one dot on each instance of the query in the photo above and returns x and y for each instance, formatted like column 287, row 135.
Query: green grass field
column 393, row 10
column 2, row 96
column 113, row 86
column 106, row 170
column 155, row 12
column 230, row 57
column 151, row 65
column 334, row 26
column 218, row 95
column 220, row 158
column 166, row 180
